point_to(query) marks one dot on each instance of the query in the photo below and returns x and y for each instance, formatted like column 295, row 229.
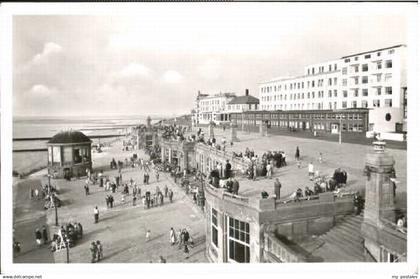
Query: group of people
column 183, row 239
column 157, row 199
column 67, row 236
column 96, row 251
column 41, row 237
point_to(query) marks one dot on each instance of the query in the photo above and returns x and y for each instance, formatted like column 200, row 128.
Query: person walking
column 157, row 175
column 320, row 159
column 311, row 171
column 166, row 191
column 38, row 237
column 45, row 234
column 172, row 237
column 93, row 252
column 297, row 154
column 96, row 214
column 171, row 195
column 86, row 189
column 99, row 251
column 162, row 259
column 148, row 235
column 134, row 200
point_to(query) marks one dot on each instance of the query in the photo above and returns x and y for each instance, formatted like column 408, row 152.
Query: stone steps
column 344, row 241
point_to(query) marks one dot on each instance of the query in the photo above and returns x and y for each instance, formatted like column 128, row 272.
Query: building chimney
column 246, row 92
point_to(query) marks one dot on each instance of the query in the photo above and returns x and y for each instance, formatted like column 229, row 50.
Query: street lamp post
column 56, row 215
column 67, row 251
column 339, row 134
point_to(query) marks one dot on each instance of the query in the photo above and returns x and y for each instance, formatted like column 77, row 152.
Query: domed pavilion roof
column 70, row 137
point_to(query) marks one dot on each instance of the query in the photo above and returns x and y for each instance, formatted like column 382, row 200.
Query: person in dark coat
column 235, row 188
column 228, row 169
column 38, row 237
column 45, row 234
column 297, row 154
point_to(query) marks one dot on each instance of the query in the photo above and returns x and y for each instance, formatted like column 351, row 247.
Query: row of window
column 368, row 56
column 331, row 93
column 331, row 81
column 331, row 105
column 321, row 69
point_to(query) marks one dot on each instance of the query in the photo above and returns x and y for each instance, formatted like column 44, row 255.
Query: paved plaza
column 350, row 157
column 122, row 229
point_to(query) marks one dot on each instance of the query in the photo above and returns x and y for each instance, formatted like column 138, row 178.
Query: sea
column 42, row 127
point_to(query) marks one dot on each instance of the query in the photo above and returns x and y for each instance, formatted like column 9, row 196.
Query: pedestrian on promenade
column 172, row 236
column 93, row 252
column 107, row 201
column 320, row 159
column 297, row 154
column 99, row 251
column 96, row 214
column 86, row 189
column 171, row 195
column 311, row 171
column 235, row 187
column 31, row 193
column 134, row 200
column 38, row 237
column 157, row 175
column 111, row 201
column 36, row 193
column 162, row 260
column 254, row 171
column 165, row 189
column 161, row 198
column 180, row 238
column 45, row 234
column 269, row 170
column 148, row 235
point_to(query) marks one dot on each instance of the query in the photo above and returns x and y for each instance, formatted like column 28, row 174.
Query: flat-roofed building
column 374, row 79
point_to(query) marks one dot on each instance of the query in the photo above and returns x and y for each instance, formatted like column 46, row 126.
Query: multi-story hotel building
column 212, row 108
column 375, row 80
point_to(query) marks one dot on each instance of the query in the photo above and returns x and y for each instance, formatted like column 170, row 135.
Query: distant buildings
column 217, row 108
column 375, row 80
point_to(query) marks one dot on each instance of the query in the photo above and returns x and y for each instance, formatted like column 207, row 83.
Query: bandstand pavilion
column 69, row 154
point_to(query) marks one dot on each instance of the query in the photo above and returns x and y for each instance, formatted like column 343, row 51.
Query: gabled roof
column 247, row 99
column 69, row 137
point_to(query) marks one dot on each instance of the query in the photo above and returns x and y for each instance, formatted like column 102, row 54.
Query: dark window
column 347, row 60
column 388, row 117
column 367, row 56
column 388, row 64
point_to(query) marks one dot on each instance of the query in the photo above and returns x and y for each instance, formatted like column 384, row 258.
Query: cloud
column 134, row 70
column 40, row 91
column 172, row 76
column 49, row 49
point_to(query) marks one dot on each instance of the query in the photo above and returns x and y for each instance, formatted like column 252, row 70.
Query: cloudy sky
column 155, row 60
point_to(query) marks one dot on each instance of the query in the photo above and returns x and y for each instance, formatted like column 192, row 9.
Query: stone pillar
column 162, row 153
column 170, row 155
column 233, row 134
column 379, row 197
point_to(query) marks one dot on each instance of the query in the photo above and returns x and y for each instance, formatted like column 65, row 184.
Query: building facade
column 331, row 121
column 375, row 80
column 212, row 108
column 243, row 103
